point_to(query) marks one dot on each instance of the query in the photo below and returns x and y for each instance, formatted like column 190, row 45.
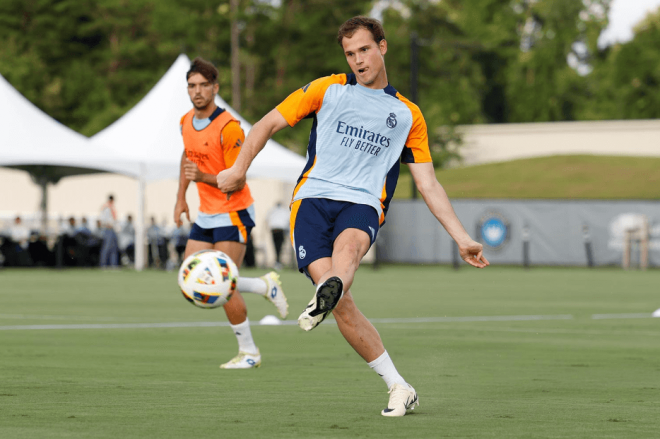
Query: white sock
column 254, row 285
column 244, row 337
column 384, row 367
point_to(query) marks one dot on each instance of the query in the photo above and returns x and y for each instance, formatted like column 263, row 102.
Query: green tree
column 625, row 83
column 87, row 62
column 541, row 86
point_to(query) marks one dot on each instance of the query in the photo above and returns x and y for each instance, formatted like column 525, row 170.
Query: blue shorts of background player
column 316, row 223
column 232, row 226
column 219, row 234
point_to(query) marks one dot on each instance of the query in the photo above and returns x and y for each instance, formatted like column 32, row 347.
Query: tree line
column 87, row 62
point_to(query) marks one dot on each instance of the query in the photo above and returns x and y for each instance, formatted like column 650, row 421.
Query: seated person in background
column 127, row 241
column 41, row 255
column 83, row 237
column 94, row 245
column 83, row 228
column 70, row 229
column 20, row 235
column 278, row 223
column 68, row 244
column 180, row 239
column 157, row 240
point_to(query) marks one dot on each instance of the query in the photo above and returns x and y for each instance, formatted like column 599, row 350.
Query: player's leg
column 235, row 307
column 268, row 285
column 354, row 229
column 350, row 247
column 311, row 227
column 353, row 325
column 203, row 239
column 194, row 246
column 236, row 310
column 364, row 338
column 347, row 251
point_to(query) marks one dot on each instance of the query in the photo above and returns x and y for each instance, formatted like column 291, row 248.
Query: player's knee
column 351, row 251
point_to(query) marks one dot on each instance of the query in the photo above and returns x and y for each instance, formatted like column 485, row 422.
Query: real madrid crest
column 391, row 121
column 493, row 230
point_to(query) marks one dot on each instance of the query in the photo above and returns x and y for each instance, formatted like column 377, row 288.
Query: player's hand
column 191, row 171
column 181, row 207
column 230, row 180
column 472, row 253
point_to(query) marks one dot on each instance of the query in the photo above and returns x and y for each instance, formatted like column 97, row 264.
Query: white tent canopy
column 30, row 137
column 149, row 133
column 34, row 142
column 149, row 136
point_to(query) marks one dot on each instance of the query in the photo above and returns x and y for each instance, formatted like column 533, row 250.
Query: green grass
column 578, row 378
column 558, row 177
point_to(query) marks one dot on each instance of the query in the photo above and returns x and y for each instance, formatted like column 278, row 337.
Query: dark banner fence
column 533, row 232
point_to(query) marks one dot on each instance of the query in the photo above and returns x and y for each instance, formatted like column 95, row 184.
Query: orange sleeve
column 307, row 100
column 417, row 148
column 232, row 138
column 183, row 118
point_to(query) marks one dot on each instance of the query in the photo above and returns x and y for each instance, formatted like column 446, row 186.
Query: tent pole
column 44, row 206
column 139, row 223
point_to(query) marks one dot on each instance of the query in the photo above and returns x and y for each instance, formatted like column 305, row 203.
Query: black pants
column 278, row 240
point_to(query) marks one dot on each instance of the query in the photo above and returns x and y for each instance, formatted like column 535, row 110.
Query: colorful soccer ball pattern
column 208, row 278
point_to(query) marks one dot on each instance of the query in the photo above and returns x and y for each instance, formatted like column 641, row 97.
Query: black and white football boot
column 324, row 301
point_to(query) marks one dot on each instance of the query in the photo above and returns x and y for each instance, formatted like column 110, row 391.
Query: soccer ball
column 208, row 278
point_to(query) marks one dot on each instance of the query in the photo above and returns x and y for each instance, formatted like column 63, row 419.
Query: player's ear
column 216, row 88
column 383, row 46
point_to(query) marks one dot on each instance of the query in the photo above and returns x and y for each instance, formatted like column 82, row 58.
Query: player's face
column 201, row 91
column 366, row 58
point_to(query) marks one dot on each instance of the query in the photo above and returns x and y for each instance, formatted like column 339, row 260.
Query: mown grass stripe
column 293, row 322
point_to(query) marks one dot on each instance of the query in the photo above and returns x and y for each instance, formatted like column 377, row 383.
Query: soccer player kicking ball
column 362, row 128
column 212, row 139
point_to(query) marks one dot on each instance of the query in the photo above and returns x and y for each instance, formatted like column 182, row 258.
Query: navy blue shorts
column 316, row 223
column 232, row 226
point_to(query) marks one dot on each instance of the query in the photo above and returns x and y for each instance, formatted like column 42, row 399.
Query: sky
column 624, row 15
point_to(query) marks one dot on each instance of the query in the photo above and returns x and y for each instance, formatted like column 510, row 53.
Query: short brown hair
column 360, row 22
column 204, row 68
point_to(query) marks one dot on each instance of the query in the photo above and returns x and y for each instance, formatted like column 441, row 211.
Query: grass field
column 574, row 177
column 588, row 369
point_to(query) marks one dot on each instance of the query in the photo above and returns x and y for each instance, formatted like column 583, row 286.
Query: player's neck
column 379, row 83
column 206, row 112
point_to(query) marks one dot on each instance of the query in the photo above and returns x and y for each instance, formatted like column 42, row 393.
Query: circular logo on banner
column 494, row 230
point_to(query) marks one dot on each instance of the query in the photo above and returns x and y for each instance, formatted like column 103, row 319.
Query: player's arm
column 192, row 173
column 181, row 205
column 233, row 179
column 436, row 199
column 298, row 105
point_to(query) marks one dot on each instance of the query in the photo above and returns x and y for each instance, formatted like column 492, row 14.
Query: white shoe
column 402, row 398
column 275, row 294
column 243, row 361
column 324, row 301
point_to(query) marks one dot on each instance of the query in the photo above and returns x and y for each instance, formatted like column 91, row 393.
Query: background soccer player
column 212, row 139
column 362, row 128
